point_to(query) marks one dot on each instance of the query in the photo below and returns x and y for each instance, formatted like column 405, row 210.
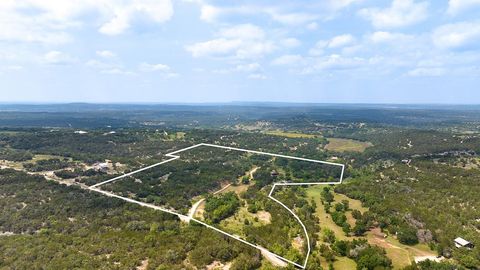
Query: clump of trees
column 365, row 255
column 219, row 207
column 47, row 165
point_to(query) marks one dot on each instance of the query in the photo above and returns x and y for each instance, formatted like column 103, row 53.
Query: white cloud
column 219, row 46
column 427, row 72
column 319, row 48
column 146, row 67
column 339, row 4
column 338, row 62
column 106, row 54
column 243, row 68
column 400, row 13
column 291, row 42
column 243, row 31
column 334, row 43
column 387, row 37
column 341, row 41
column 58, row 58
column 286, row 60
column 457, row 6
column 20, row 28
column 257, row 76
column 457, row 35
column 292, row 18
column 164, row 70
column 312, row 26
column 122, row 15
column 50, row 20
column 241, row 41
column 117, row 71
column 209, row 13
column 248, row 67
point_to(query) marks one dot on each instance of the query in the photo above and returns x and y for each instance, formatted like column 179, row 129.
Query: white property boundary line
column 174, row 156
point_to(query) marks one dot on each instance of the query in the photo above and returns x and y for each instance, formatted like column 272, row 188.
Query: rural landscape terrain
column 239, row 135
column 410, row 188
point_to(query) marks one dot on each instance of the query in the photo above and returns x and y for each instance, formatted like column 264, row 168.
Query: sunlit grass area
column 346, row 145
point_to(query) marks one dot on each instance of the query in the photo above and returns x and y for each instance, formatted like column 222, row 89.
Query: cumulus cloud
column 457, row 6
column 387, row 37
column 291, row 42
column 240, row 41
column 251, row 67
column 58, row 58
column 106, row 54
column 146, row 67
column 52, row 20
column 401, row 13
column 20, row 28
column 339, row 4
column 427, row 72
column 312, row 26
column 122, row 16
column 292, row 18
column 341, row 41
column 334, row 43
column 163, row 69
column 338, row 62
column 211, row 13
column 257, row 76
column 288, row 60
column 460, row 35
column 243, row 31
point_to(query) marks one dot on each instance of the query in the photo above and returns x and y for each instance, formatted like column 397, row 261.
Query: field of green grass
column 313, row 193
column 346, row 145
column 292, row 134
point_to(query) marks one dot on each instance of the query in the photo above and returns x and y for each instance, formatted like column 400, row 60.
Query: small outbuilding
column 101, row 166
column 462, row 243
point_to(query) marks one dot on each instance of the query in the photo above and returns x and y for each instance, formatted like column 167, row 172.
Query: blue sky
column 355, row 51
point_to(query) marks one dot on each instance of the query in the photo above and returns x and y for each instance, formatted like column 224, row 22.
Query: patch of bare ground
column 297, row 243
column 143, row 265
column 264, row 217
column 217, row 265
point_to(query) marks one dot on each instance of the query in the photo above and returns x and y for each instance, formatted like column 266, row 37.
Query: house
column 462, row 243
column 101, row 167
column 274, row 173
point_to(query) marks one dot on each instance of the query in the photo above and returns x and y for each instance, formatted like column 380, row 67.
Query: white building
column 462, row 243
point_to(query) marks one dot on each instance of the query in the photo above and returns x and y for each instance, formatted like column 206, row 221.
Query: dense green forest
column 59, row 227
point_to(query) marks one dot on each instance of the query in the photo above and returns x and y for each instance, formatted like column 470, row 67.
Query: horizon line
column 233, row 103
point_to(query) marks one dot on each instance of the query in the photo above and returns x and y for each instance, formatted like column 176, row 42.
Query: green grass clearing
column 313, row 193
column 346, row 145
column 400, row 254
column 341, row 263
column 292, row 134
column 235, row 223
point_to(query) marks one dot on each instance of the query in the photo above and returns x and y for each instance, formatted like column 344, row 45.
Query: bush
column 373, row 258
column 407, row 235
